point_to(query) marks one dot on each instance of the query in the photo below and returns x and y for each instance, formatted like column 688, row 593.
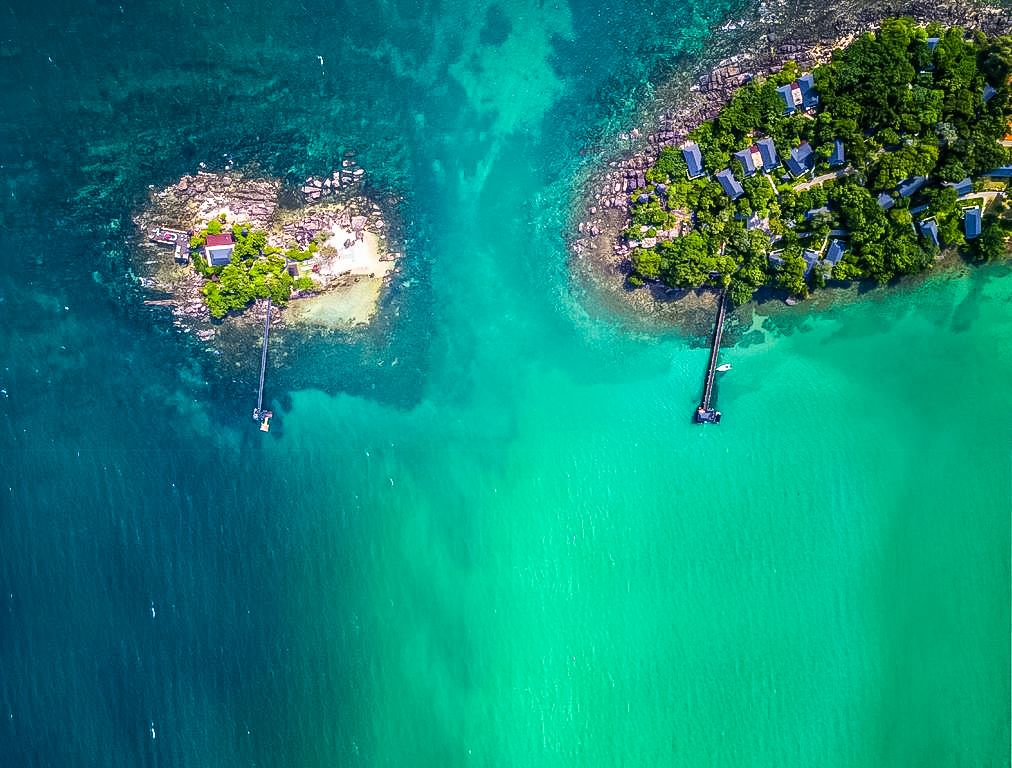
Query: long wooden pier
column 704, row 413
column 259, row 414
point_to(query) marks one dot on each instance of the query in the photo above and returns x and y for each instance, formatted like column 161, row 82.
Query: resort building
column 800, row 94
column 801, row 159
column 835, row 252
column 768, row 152
column 693, row 159
column 732, row 187
column 911, row 185
column 748, row 158
column 885, row 201
column 810, row 257
column 963, row 188
column 809, row 96
column 932, row 43
column 929, row 228
column 837, row 156
column 809, row 215
column 791, row 94
column 971, row 223
column 218, row 250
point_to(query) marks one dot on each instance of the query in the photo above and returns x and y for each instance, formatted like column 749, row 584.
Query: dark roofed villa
column 971, row 222
column 791, row 96
column 800, row 160
column 809, row 96
column 768, row 151
column 962, row 188
column 800, row 94
column 693, row 159
column 835, row 252
column 747, row 163
column 837, row 156
column 929, row 228
column 810, row 257
column 911, row 185
column 731, row 185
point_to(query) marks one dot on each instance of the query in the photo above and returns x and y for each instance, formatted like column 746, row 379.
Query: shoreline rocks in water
column 757, row 45
column 351, row 265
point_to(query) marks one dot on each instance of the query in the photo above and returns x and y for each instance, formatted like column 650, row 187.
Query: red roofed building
column 219, row 249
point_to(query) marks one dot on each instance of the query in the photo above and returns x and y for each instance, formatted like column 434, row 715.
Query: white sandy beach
column 352, row 278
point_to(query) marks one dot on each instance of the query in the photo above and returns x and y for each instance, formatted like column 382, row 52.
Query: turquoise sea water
column 488, row 535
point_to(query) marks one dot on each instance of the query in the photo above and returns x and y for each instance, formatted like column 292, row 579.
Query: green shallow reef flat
column 486, row 532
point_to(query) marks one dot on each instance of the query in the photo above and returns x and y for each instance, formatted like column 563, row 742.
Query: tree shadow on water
column 968, row 310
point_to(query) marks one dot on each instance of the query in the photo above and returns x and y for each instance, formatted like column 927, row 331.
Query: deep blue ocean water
column 485, row 533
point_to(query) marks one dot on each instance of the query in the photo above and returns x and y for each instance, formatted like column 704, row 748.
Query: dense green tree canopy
column 900, row 106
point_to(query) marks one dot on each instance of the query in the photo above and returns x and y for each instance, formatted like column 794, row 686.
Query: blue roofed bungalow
column 963, row 188
column 732, row 187
column 801, row 160
column 835, row 252
column 932, row 43
column 911, row 185
column 747, row 161
column 809, row 96
column 768, row 152
column 971, row 223
column 929, row 228
column 693, row 159
column 811, row 257
column 800, row 94
column 791, row 94
column 837, row 156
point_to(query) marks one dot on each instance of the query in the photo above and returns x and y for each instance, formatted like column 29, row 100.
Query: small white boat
column 724, row 367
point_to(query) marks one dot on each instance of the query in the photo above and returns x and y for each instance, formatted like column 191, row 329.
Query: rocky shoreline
column 761, row 42
column 290, row 213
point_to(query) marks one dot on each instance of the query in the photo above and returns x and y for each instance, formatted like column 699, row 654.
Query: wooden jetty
column 704, row 413
column 259, row 414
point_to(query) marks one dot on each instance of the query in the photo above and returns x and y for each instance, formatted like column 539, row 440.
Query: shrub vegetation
column 255, row 270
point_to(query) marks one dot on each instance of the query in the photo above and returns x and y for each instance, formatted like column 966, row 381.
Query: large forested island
column 867, row 167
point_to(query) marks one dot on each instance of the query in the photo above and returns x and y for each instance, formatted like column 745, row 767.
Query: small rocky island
column 874, row 164
column 213, row 244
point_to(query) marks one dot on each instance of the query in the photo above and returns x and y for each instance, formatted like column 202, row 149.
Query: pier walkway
column 259, row 414
column 704, row 413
